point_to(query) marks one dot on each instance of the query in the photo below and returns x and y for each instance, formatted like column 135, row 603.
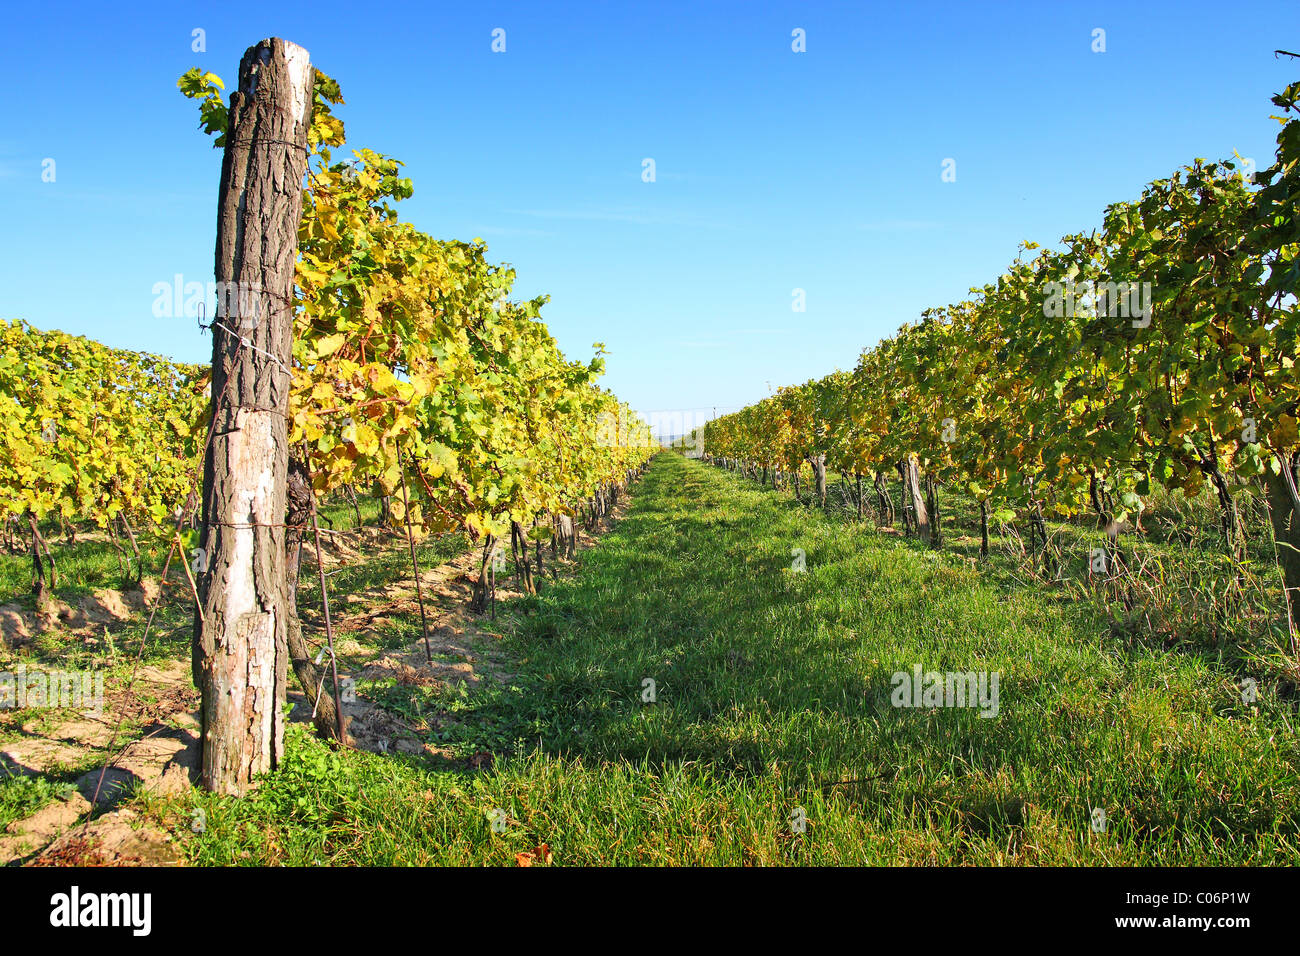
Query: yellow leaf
column 366, row 441
column 1286, row 436
column 330, row 344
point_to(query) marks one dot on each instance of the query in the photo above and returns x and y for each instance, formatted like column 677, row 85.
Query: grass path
column 773, row 702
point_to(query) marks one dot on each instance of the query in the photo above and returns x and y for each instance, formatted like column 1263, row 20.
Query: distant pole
column 415, row 565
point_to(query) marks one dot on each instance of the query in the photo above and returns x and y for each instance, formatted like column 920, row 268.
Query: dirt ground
column 163, row 752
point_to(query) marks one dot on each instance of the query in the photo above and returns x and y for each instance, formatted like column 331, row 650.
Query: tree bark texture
column 240, row 632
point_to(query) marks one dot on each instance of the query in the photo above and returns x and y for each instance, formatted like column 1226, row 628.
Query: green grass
column 91, row 561
column 81, row 567
column 1180, row 590
column 774, row 697
column 21, row 796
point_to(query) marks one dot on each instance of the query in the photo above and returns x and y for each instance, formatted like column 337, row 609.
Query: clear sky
column 775, row 170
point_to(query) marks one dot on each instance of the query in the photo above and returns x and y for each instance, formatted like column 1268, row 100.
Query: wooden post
column 1284, row 513
column 240, row 654
column 415, row 565
column 300, row 512
column 919, row 515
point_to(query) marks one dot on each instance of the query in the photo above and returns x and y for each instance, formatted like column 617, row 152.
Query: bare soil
column 91, row 828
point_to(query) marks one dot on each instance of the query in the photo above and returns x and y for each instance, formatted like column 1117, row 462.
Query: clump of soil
column 106, row 608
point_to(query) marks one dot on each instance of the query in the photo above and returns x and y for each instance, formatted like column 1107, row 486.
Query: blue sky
column 775, row 170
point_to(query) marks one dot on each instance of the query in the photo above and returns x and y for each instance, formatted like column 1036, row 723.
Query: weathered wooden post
column 912, row 471
column 240, row 656
column 1284, row 511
